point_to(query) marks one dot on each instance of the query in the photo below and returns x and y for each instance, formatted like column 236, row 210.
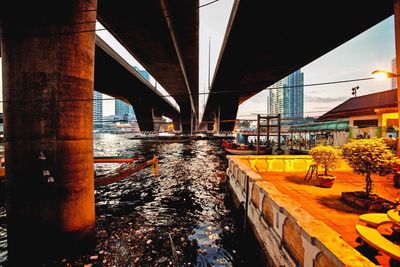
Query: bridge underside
column 113, row 76
column 259, row 50
column 163, row 36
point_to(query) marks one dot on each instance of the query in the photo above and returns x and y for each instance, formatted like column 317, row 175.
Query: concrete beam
column 47, row 72
column 115, row 77
column 144, row 113
column 163, row 37
column 257, row 64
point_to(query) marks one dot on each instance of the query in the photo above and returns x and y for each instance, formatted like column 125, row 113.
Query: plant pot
column 373, row 203
column 325, row 180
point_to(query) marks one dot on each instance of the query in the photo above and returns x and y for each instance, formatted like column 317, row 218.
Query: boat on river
column 235, row 151
column 243, row 149
column 164, row 138
column 126, row 169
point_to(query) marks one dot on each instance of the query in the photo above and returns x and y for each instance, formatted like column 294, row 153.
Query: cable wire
column 209, row 3
column 203, row 93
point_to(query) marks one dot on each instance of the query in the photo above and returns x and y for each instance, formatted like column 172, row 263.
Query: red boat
column 242, row 149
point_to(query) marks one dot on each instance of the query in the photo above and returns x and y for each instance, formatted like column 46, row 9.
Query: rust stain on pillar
column 48, row 72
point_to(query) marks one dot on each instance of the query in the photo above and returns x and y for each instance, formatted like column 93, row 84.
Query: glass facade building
column 286, row 97
column 97, row 107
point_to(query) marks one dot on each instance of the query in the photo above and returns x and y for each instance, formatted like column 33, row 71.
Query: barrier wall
column 288, row 234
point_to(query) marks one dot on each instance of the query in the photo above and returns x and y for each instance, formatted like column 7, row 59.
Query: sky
column 371, row 50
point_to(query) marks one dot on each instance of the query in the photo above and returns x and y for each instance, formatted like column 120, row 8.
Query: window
column 365, row 123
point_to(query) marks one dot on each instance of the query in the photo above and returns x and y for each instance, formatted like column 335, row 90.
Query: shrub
column 369, row 156
column 327, row 156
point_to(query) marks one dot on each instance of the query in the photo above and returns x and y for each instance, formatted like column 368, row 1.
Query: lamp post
column 381, row 74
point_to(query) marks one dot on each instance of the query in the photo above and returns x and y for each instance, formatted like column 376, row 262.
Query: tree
column 367, row 157
column 327, row 156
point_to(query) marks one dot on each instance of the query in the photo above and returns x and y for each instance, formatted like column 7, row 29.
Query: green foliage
column 327, row 156
column 369, row 156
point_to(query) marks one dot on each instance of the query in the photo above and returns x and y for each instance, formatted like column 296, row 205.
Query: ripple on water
column 178, row 218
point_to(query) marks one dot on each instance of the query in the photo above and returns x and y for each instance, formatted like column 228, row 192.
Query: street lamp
column 381, row 74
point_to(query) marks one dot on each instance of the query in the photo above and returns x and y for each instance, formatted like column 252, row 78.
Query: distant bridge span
column 115, row 77
column 163, row 35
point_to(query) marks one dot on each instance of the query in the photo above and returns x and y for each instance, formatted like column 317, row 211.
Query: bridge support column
column 177, row 124
column 210, row 127
column 157, row 120
column 143, row 112
column 227, row 113
column 48, row 135
column 186, row 119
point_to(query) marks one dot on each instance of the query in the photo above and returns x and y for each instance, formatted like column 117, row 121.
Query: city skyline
column 357, row 58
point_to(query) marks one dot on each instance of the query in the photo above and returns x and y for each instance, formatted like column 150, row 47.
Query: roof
column 321, row 126
column 362, row 105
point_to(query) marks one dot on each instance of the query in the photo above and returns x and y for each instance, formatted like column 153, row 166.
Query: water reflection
column 175, row 219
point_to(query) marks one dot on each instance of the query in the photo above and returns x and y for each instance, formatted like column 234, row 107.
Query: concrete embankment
column 288, row 235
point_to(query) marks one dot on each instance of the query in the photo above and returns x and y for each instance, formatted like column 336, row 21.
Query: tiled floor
column 325, row 204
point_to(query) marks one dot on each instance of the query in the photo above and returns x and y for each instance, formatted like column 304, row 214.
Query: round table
column 394, row 215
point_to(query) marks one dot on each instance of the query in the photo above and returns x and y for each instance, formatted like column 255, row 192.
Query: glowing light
column 382, row 74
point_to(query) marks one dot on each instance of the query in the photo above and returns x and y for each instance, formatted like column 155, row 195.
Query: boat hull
column 244, row 151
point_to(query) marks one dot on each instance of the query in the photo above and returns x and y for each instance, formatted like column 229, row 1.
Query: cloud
column 318, row 99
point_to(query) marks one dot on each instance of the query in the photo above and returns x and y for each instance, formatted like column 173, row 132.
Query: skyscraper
column 97, row 107
column 286, row 96
column 122, row 108
column 275, row 103
column 293, row 95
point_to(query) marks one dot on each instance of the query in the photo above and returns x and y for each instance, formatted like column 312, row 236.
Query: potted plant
column 367, row 157
column 327, row 157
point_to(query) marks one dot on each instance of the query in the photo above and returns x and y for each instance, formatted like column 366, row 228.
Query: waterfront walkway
column 325, row 204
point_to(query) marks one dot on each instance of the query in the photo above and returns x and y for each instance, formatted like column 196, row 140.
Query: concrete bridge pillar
column 227, row 113
column 48, row 63
column 177, row 124
column 210, row 126
column 188, row 119
column 157, row 120
column 143, row 112
column 186, row 112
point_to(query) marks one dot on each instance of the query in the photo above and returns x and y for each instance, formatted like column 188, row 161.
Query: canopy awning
column 321, row 126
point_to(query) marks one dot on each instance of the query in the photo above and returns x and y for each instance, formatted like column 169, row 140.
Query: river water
column 179, row 218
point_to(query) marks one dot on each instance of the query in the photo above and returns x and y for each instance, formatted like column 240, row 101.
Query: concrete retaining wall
column 288, row 235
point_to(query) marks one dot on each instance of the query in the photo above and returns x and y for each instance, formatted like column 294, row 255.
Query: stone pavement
column 325, row 204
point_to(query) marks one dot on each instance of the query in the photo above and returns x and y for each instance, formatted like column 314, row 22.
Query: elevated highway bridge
column 266, row 41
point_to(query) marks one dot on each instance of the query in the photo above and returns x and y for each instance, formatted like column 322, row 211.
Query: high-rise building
column 394, row 70
column 97, row 107
column 275, row 101
column 286, row 97
column 122, row 108
column 293, row 95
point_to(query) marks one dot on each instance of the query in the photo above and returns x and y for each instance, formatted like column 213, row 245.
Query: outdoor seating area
column 376, row 240
column 355, row 226
column 325, row 204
